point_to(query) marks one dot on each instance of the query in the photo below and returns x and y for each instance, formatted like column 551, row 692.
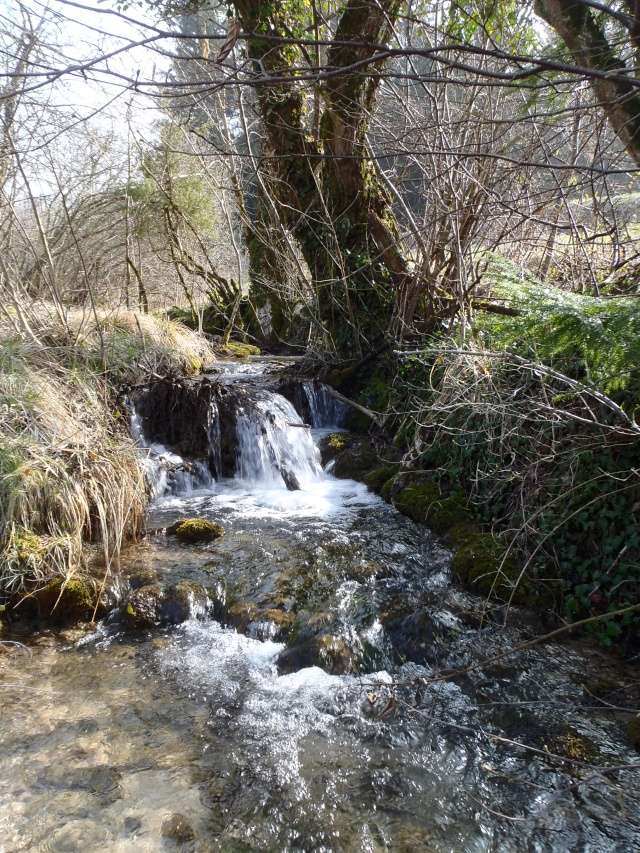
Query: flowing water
column 105, row 734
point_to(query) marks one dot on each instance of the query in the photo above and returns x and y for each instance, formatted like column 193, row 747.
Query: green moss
column 573, row 745
column 196, row 530
column 448, row 513
column 240, row 350
column 477, row 563
column 377, row 478
column 387, row 489
column 633, row 732
column 338, row 440
column 459, row 534
column 66, row 599
column 416, row 499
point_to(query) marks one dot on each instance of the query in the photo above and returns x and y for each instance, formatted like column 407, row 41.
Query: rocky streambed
column 283, row 686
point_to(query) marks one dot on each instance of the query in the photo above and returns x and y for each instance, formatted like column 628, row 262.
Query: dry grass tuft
column 69, row 471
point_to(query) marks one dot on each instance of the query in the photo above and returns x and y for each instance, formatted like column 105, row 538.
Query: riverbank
column 72, row 489
column 524, row 432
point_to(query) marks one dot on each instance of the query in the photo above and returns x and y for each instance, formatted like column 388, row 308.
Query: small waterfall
column 324, row 409
column 165, row 471
column 215, row 440
column 274, row 446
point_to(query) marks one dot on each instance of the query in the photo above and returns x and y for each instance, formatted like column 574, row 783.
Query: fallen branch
column 374, row 416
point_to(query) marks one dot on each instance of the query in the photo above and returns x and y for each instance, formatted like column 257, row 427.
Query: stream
column 333, row 741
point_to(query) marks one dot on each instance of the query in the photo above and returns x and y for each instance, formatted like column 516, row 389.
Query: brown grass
column 70, row 475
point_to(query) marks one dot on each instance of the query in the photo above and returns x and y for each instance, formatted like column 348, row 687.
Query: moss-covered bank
column 530, row 425
column 481, row 561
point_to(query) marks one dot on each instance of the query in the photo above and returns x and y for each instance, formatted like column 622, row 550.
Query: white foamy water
column 237, row 675
column 274, row 445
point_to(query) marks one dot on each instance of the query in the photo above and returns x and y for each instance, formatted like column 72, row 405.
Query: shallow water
column 105, row 733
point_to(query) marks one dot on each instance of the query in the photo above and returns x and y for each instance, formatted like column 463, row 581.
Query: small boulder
column 182, row 601
column 142, row 610
column 154, row 604
column 68, row 599
column 328, row 651
column 356, row 460
column 193, row 530
column 177, row 828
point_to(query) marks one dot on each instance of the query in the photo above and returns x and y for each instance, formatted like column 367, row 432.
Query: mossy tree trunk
column 328, row 195
column 269, row 273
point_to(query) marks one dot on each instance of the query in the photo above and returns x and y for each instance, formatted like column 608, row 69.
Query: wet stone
column 193, row 530
column 157, row 605
column 132, row 825
column 177, row 828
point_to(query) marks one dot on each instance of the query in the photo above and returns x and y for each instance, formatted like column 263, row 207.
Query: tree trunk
column 577, row 26
column 330, row 198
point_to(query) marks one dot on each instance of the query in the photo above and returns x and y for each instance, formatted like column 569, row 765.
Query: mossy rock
column 240, row 349
column 633, row 732
column 416, row 499
column 363, row 570
column 241, row 614
column 335, row 655
column 282, row 618
column 184, row 600
column 143, row 608
column 573, row 745
column 154, row 604
column 333, row 444
column 459, row 534
column 376, row 479
column 448, row 513
column 386, row 491
column 66, row 600
column 477, row 563
column 328, row 651
column 193, row 530
column 177, row 828
column 356, row 460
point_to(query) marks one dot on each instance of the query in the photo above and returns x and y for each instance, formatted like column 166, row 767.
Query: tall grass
column 70, row 475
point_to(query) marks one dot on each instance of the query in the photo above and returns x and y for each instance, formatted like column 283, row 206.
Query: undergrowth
column 535, row 415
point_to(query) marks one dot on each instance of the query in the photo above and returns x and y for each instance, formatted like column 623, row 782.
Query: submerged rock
column 177, row 828
column 193, row 530
column 328, row 651
column 140, row 575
